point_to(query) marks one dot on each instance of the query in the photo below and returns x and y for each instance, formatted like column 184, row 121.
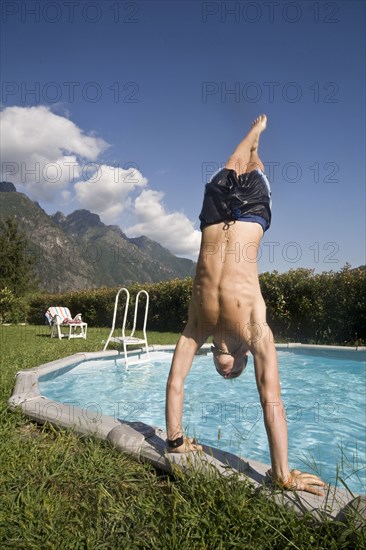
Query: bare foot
column 260, row 123
column 258, row 126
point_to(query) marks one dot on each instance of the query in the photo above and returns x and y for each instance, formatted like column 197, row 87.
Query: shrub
column 324, row 308
column 168, row 305
column 12, row 308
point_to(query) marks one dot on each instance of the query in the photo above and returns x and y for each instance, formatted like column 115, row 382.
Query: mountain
column 155, row 250
column 7, row 187
column 117, row 258
column 79, row 251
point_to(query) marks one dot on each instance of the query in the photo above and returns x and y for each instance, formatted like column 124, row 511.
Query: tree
column 16, row 265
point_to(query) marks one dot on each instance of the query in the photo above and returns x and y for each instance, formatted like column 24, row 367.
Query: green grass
column 58, row 490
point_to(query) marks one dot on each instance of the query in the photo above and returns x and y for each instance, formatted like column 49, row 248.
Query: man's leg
column 245, row 157
column 254, row 162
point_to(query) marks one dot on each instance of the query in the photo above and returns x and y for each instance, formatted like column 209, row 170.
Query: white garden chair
column 59, row 317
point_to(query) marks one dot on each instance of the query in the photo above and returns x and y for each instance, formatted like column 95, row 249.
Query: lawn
column 59, row 490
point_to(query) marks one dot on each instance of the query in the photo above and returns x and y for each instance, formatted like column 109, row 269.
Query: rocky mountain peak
column 59, row 217
column 7, row 187
column 77, row 222
column 84, row 216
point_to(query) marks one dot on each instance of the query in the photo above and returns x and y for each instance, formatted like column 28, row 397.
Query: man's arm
column 188, row 344
column 268, row 383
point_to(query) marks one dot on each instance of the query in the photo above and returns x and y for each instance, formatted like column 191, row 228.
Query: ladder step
column 127, row 340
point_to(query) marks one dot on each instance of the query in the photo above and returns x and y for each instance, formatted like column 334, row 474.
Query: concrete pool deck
column 145, row 442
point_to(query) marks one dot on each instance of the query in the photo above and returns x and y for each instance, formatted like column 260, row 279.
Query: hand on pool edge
column 301, row 481
column 189, row 445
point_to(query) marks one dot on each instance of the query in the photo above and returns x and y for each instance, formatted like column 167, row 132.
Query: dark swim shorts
column 231, row 197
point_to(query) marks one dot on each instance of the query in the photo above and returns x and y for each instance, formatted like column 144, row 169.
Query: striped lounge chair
column 59, row 317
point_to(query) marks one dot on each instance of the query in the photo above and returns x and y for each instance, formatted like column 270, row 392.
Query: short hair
column 237, row 372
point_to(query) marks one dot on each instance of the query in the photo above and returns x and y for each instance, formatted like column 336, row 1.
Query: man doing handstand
column 227, row 304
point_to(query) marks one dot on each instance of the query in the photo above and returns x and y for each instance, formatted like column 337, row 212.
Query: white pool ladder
column 130, row 340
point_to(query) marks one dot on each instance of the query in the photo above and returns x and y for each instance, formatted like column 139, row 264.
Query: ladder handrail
column 135, row 313
column 115, row 315
column 124, row 338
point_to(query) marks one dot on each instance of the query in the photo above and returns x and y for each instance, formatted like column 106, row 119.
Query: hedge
column 326, row 308
column 167, row 312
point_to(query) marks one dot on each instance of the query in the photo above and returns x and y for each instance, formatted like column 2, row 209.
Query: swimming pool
column 323, row 393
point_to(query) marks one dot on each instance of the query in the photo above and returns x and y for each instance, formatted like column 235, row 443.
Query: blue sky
column 126, row 108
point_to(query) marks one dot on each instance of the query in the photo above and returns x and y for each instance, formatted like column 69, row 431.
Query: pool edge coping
column 148, row 442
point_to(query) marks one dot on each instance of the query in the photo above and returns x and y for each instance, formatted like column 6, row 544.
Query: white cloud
column 173, row 231
column 41, row 150
column 51, row 159
column 66, row 196
column 107, row 191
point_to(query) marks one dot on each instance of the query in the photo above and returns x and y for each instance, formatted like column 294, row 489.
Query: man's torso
column 226, row 293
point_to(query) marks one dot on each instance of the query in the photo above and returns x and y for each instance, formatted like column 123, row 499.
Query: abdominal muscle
column 226, row 288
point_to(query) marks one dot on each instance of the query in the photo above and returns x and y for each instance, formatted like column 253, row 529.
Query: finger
column 318, row 482
column 195, row 447
column 187, row 448
column 300, row 486
column 312, row 490
column 310, row 479
column 296, row 474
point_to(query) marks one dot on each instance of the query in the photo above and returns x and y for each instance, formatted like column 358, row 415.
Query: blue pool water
column 324, row 397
